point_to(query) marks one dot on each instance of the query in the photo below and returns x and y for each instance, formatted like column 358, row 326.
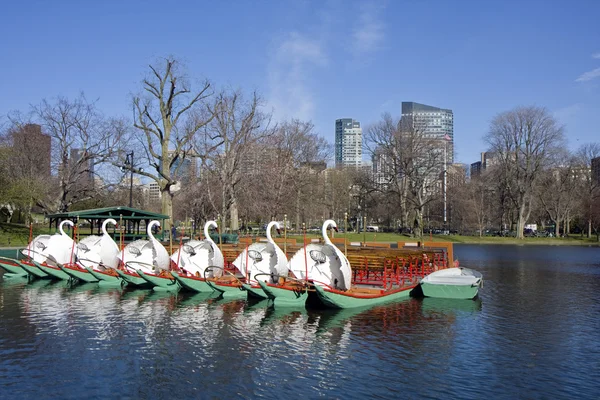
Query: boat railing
column 388, row 270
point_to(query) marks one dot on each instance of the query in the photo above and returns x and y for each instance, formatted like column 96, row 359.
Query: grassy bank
column 394, row 237
column 12, row 235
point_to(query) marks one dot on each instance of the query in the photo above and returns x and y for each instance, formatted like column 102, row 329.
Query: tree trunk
column 167, row 207
column 589, row 232
column 521, row 221
column 233, row 217
column 418, row 223
column 298, row 212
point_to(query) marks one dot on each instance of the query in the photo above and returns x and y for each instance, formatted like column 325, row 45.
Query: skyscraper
column 433, row 122
column 348, row 143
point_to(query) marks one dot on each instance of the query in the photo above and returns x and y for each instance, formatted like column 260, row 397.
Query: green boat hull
column 193, row 284
column 460, row 292
column 256, row 293
column 102, row 277
column 34, row 271
column 134, row 280
column 53, row 272
column 160, row 283
column 12, row 267
column 81, row 274
column 228, row 292
column 284, row 297
column 339, row 300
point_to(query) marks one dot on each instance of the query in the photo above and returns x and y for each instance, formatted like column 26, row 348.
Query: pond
column 532, row 333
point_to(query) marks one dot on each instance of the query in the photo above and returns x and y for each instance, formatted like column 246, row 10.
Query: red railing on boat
column 388, row 271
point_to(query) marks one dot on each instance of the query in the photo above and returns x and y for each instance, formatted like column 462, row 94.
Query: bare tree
column 555, row 190
column 477, row 200
column 412, row 163
column 25, row 167
column 226, row 143
column 589, row 187
column 296, row 158
column 526, row 140
column 81, row 138
column 168, row 117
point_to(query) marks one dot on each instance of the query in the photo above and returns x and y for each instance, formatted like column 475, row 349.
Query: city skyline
column 348, row 143
column 432, row 122
column 307, row 62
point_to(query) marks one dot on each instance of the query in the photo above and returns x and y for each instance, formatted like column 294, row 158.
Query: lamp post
column 445, row 182
column 129, row 165
column 446, row 139
column 345, row 233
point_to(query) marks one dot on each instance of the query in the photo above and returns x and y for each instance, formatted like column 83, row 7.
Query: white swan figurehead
column 263, row 258
column 109, row 249
column 61, row 247
column 146, row 255
column 195, row 256
column 99, row 252
column 325, row 263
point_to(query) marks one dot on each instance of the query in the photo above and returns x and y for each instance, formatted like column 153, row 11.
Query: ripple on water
column 531, row 334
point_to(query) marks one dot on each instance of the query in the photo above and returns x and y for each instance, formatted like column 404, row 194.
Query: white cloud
column 588, row 76
column 597, row 55
column 290, row 69
column 369, row 31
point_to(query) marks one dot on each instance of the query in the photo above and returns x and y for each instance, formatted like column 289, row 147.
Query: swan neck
column 207, row 235
column 104, row 226
column 325, row 237
column 269, row 237
column 60, row 228
column 149, row 231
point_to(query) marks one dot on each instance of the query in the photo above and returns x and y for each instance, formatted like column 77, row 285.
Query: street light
column 129, row 165
column 445, row 171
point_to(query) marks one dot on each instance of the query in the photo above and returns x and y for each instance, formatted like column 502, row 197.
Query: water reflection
column 530, row 334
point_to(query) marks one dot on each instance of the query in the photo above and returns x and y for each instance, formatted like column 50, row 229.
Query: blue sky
column 320, row 60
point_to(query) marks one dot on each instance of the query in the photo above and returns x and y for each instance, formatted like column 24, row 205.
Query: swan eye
column 255, row 255
column 135, row 251
column 40, row 245
column 318, row 256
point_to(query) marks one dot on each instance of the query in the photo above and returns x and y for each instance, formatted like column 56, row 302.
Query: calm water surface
column 534, row 333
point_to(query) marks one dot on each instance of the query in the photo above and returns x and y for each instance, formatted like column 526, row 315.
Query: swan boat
column 262, row 261
column 97, row 259
column 452, row 283
column 146, row 262
column 198, row 261
column 46, row 253
column 341, row 293
column 314, row 264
